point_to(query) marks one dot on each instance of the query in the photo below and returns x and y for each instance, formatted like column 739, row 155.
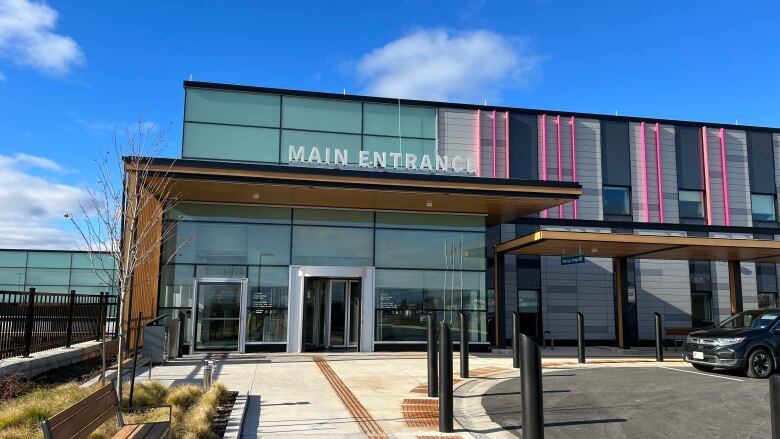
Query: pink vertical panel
column 544, row 155
column 574, row 159
column 725, row 175
column 560, row 166
column 645, row 199
column 658, row 167
column 494, row 143
column 506, row 143
column 705, row 159
column 479, row 144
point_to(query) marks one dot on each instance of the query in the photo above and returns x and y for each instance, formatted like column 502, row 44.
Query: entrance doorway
column 331, row 314
column 219, row 314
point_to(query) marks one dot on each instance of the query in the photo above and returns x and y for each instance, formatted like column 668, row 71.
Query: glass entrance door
column 218, row 313
column 331, row 313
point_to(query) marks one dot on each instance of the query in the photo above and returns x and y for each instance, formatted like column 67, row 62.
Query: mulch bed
column 15, row 385
column 220, row 422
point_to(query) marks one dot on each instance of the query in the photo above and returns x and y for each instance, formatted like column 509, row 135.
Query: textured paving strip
column 365, row 421
column 421, row 412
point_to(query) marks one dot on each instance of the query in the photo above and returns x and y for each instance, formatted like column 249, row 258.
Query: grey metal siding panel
column 738, row 178
column 588, row 134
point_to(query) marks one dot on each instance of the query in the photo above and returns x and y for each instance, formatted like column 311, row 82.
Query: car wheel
column 702, row 367
column 759, row 364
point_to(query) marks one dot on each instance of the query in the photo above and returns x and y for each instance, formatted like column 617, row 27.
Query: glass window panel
column 701, row 307
column 430, row 249
column 48, row 260
column 617, row 200
column 404, row 220
column 700, row 274
column 88, row 277
column 691, row 204
column 267, row 313
column 12, row 276
column 95, row 260
column 230, row 213
column 332, row 246
column 241, row 108
column 763, row 207
column 382, row 119
column 767, row 300
column 176, row 285
column 330, row 217
column 220, row 271
column 321, row 114
column 213, row 243
column 528, row 301
column 42, row 288
column 766, row 277
column 223, row 142
column 350, row 142
column 13, row 258
column 419, row 147
column 48, row 276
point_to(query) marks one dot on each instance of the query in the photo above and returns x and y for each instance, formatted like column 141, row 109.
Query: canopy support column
column 735, row 287
column 619, row 272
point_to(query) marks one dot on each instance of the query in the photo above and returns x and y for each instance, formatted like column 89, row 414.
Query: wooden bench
column 670, row 333
column 84, row 417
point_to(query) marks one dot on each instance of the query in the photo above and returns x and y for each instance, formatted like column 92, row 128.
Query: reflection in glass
column 217, row 315
column 617, row 200
column 763, row 207
column 691, row 204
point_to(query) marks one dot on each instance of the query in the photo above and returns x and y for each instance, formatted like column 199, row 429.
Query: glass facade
column 424, row 262
column 56, row 271
column 257, row 127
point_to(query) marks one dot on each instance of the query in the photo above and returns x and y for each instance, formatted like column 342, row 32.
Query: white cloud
column 33, row 207
column 103, row 127
column 441, row 65
column 27, row 37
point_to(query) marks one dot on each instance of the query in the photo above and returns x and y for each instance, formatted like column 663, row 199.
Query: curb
column 236, row 420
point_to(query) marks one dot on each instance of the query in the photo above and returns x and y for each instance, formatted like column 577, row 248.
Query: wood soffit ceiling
column 611, row 245
column 500, row 200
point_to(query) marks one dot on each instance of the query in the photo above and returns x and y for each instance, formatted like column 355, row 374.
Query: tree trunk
column 120, row 320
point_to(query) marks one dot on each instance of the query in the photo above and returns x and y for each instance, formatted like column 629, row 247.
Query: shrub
column 146, row 394
column 184, row 396
column 196, row 423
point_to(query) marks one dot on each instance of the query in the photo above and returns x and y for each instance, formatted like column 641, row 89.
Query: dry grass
column 193, row 410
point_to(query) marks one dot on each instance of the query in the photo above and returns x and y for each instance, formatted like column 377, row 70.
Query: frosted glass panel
column 241, row 108
column 406, row 146
column 332, row 246
column 430, row 249
column 383, row 119
column 223, row 142
column 350, row 142
column 13, row 259
column 321, row 115
column 48, row 260
column 329, row 217
column 429, row 221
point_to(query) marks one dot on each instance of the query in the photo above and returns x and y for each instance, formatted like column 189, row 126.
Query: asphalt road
column 640, row 402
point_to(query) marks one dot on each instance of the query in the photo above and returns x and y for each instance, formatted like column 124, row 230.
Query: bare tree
column 123, row 219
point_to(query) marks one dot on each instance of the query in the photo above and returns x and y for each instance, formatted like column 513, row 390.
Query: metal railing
column 33, row 321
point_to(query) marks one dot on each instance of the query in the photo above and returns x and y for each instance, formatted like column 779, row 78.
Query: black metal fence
column 33, row 322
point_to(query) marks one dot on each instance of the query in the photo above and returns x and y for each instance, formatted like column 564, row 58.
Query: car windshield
column 749, row 320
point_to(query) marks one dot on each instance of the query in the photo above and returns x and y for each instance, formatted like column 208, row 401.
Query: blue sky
column 72, row 71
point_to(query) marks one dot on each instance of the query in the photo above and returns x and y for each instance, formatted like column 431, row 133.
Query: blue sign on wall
column 573, row 259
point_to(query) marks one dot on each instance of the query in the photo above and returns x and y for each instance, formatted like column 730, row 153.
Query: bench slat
column 126, row 431
column 85, row 416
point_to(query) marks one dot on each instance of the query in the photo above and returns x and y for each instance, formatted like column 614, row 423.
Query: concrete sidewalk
column 346, row 394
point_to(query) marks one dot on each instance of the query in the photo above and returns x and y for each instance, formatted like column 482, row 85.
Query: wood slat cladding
column 614, row 245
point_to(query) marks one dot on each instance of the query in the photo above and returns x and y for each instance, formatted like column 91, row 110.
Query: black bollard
column 774, row 405
column 531, row 388
column 515, row 342
column 433, row 379
column 464, row 345
column 580, row 338
column 445, row 379
column 659, row 339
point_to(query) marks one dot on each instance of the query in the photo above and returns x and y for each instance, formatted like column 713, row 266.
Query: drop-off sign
column 572, row 259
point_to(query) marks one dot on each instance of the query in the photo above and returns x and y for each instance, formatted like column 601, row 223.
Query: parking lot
column 674, row 401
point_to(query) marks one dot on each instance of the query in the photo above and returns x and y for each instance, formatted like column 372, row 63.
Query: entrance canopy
column 615, row 245
column 499, row 200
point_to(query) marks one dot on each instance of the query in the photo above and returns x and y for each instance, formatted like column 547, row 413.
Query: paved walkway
column 349, row 394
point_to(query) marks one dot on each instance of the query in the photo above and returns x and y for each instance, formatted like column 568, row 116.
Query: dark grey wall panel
column 523, row 144
column 690, row 168
column 615, row 153
column 761, row 163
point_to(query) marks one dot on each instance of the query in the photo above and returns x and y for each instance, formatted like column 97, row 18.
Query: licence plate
column 698, row 355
